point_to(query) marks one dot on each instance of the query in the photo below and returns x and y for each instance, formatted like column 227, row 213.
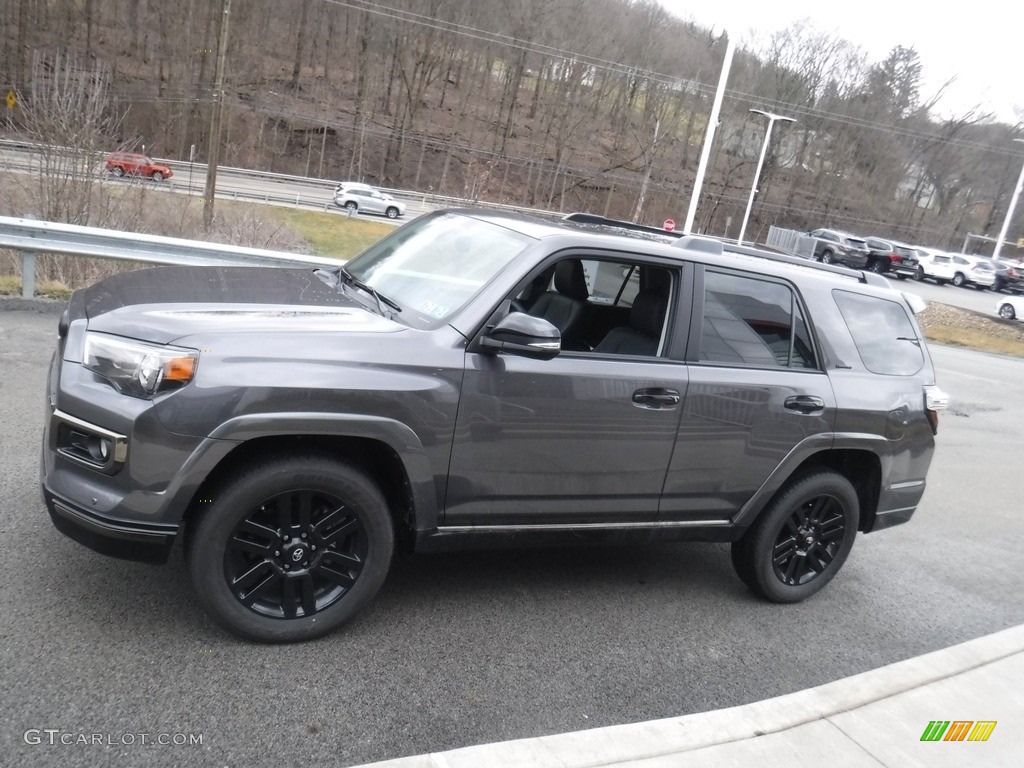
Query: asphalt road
column 468, row 648
column 978, row 300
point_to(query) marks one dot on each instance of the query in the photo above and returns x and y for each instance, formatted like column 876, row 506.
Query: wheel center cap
column 295, row 553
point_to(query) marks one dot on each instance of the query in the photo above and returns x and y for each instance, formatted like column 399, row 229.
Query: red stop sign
column 669, row 225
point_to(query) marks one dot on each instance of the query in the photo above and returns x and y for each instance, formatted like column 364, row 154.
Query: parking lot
column 469, row 648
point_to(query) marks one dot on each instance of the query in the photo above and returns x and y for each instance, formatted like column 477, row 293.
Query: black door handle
column 656, row 398
column 805, row 404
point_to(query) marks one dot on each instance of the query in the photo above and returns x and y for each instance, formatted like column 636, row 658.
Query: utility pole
column 1009, row 211
column 213, row 155
column 709, row 134
column 772, row 118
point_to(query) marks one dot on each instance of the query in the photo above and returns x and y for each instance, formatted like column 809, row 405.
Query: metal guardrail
column 31, row 237
column 792, row 242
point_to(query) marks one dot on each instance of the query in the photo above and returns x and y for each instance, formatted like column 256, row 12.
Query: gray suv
column 478, row 379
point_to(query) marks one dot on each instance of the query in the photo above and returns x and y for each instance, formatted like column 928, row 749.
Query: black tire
column 1006, row 312
column 306, row 541
column 959, row 279
column 827, row 257
column 157, row 176
column 821, row 508
column 352, row 206
column 919, row 274
column 392, row 212
column 117, row 171
column 877, row 267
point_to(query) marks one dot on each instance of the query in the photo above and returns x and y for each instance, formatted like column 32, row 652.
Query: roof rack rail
column 714, row 245
column 604, row 221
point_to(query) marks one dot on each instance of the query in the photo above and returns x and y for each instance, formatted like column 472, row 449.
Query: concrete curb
column 672, row 736
column 42, row 306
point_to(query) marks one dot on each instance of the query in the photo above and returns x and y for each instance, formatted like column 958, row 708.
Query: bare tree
column 68, row 113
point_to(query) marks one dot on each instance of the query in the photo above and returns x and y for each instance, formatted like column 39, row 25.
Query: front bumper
column 148, row 543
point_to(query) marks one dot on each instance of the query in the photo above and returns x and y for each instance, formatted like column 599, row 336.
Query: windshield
column 433, row 266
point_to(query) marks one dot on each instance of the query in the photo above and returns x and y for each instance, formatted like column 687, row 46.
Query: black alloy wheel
column 877, row 266
column 290, row 549
column 801, row 539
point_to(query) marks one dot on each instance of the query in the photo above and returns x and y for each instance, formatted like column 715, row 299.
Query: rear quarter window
column 886, row 337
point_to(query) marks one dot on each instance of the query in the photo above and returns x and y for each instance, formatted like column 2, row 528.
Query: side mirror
column 521, row 334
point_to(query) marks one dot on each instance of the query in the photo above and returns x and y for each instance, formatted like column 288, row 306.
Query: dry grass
column 944, row 324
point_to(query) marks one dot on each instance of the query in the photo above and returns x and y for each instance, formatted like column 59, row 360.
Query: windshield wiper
column 346, row 276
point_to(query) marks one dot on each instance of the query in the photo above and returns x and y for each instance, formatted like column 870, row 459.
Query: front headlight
column 136, row 368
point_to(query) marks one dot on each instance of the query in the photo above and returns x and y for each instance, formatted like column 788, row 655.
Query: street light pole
column 1009, row 212
column 772, row 118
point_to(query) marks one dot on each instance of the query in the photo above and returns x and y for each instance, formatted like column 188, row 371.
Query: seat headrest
column 570, row 280
column 647, row 313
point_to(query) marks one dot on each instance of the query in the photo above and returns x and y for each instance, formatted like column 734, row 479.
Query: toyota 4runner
column 479, row 379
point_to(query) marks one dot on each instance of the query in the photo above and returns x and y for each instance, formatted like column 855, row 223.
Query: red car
column 136, row 164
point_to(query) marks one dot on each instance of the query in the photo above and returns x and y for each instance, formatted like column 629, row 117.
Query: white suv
column 934, row 265
column 367, row 199
column 972, row 270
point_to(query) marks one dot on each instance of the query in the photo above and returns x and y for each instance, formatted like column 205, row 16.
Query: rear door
column 757, row 390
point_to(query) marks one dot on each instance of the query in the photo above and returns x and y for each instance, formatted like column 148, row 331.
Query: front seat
column 643, row 333
column 564, row 307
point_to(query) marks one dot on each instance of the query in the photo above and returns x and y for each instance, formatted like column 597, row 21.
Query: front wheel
column 1006, row 312
column 157, row 176
column 118, row 171
column 827, row 257
column 290, row 549
column 392, row 212
column 959, row 280
column 801, row 540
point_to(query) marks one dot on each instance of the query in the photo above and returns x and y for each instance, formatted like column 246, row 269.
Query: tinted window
column 751, row 321
column 883, row 332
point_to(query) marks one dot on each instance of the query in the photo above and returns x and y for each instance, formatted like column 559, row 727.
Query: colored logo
column 958, row 730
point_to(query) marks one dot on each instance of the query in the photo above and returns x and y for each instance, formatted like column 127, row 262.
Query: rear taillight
column 935, row 400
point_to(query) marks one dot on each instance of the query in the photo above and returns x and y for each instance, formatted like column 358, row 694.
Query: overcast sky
column 981, row 43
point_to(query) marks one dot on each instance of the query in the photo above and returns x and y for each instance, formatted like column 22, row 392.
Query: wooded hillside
column 560, row 104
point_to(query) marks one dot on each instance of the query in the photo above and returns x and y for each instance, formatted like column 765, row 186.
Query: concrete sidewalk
column 866, row 721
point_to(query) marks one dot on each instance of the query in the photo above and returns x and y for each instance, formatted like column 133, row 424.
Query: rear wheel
column 801, row 539
column 877, row 267
column 351, row 206
column 290, row 549
column 919, row 274
column 828, row 257
column 118, row 171
column 1007, row 312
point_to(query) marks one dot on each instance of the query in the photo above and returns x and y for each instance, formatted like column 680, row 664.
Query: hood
column 162, row 304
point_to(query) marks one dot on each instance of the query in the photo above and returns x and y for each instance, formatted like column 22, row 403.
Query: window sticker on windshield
column 430, row 308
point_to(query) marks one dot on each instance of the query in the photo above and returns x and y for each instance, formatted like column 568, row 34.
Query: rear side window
column 883, row 332
column 751, row 321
